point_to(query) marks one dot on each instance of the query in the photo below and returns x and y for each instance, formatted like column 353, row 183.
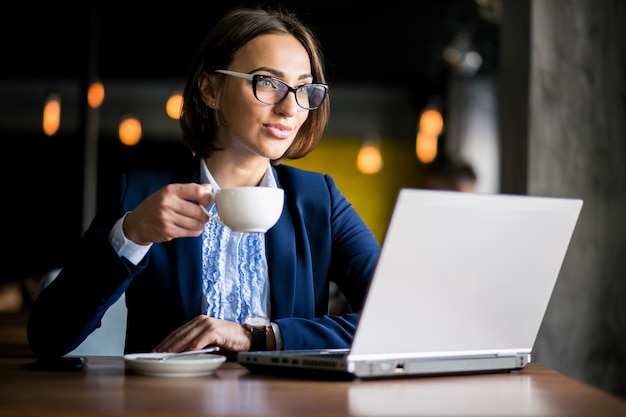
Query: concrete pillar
column 563, row 127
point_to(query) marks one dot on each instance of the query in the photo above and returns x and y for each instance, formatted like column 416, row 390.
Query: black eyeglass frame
column 256, row 77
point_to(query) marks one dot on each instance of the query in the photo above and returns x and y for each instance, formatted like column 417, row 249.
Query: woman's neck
column 228, row 173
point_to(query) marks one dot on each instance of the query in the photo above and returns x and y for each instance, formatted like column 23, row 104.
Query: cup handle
column 211, row 216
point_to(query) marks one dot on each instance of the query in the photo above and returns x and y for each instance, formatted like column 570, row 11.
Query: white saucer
column 183, row 366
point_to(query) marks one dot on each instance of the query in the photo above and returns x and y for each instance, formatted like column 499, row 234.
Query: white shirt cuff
column 277, row 336
column 124, row 247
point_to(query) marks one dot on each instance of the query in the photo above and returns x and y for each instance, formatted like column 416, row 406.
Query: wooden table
column 104, row 387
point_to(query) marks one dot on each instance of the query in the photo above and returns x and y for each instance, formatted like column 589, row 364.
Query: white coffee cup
column 248, row 209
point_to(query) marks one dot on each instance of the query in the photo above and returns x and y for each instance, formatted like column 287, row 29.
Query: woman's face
column 254, row 129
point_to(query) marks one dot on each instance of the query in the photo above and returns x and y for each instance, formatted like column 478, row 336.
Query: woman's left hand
column 204, row 331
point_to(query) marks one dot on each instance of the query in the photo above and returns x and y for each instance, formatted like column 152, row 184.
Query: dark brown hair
column 239, row 26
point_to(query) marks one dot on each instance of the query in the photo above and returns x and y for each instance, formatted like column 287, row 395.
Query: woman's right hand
column 169, row 213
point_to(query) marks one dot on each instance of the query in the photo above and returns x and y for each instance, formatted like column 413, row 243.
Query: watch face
column 257, row 321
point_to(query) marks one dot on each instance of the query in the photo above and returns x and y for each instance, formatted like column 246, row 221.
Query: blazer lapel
column 280, row 244
column 280, row 249
column 189, row 258
column 189, row 261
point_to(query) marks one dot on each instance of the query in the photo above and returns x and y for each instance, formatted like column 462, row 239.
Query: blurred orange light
column 425, row 147
column 173, row 105
column 52, row 114
column 431, row 122
column 95, row 95
column 369, row 160
column 130, row 131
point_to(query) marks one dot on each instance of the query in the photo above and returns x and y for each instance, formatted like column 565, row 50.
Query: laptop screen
column 464, row 273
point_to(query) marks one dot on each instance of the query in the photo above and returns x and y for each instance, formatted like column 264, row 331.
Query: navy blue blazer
column 319, row 238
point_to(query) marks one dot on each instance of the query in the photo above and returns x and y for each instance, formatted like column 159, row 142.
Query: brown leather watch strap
column 259, row 338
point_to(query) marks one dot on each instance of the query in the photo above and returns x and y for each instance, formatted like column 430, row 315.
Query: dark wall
column 42, row 201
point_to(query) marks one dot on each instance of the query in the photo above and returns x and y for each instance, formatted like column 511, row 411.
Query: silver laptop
column 461, row 286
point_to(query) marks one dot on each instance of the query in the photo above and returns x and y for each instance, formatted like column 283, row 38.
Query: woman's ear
column 206, row 87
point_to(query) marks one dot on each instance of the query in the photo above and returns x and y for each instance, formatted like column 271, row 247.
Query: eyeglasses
column 270, row 90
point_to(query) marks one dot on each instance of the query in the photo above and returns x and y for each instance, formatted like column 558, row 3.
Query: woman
column 254, row 97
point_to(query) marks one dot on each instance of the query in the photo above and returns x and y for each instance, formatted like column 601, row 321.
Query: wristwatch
column 259, row 327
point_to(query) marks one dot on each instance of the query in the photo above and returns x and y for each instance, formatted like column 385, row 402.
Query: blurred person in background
column 450, row 172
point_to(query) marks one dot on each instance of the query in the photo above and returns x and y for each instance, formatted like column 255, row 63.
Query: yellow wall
column 372, row 195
